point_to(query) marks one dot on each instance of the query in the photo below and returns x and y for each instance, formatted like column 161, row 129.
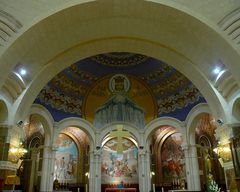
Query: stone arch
column 159, row 122
column 47, row 120
column 236, row 109
column 3, row 112
column 192, row 119
column 75, row 122
column 128, row 39
column 134, row 131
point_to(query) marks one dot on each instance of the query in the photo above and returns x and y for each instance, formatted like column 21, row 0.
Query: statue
column 208, row 162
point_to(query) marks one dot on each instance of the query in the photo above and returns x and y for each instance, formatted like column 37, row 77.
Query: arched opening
column 210, row 163
column 31, row 164
column 71, row 161
column 236, row 109
column 167, row 159
column 119, row 164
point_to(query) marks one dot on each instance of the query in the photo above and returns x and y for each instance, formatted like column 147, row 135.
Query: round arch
column 47, row 120
column 134, row 38
column 76, row 122
column 134, row 131
column 115, row 45
column 236, row 109
column 160, row 122
column 192, row 119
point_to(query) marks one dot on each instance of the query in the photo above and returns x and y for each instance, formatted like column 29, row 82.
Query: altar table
column 120, row 190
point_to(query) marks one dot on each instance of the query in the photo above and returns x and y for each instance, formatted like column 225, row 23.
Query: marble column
column 192, row 168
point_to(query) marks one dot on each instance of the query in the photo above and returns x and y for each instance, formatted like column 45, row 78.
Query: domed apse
column 159, row 89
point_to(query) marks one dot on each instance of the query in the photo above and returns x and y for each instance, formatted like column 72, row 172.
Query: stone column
column 91, row 171
column 148, row 170
column 47, row 169
column 95, row 171
column 51, row 168
column 143, row 175
column 34, row 156
column 192, row 168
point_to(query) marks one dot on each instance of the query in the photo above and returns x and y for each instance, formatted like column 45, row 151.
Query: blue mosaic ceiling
column 64, row 95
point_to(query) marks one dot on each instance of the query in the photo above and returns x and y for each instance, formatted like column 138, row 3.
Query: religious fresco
column 170, row 92
column 119, row 107
column 65, row 168
column 172, row 157
column 117, row 167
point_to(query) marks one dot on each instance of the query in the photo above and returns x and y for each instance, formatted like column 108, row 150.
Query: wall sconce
column 223, row 152
column 219, row 150
column 17, row 152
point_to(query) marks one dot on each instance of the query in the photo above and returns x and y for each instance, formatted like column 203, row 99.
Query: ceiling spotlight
column 23, row 72
column 216, row 70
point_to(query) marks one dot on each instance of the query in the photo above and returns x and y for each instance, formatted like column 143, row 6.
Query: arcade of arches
column 100, row 95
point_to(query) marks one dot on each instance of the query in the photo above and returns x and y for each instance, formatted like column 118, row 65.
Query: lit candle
column 86, row 188
column 153, row 187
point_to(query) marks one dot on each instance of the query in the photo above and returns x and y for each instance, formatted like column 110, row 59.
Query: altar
column 120, row 190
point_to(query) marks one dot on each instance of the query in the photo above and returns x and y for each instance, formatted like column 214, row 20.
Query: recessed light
column 23, row 72
column 216, row 70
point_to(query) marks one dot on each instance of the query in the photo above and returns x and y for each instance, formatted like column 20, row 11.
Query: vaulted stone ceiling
column 172, row 93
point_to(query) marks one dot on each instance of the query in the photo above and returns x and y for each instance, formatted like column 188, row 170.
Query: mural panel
column 119, row 167
column 172, row 158
column 65, row 169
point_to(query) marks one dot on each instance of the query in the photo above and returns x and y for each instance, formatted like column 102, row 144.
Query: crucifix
column 119, row 134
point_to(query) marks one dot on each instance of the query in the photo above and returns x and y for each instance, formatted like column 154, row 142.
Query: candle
column 153, row 187
column 78, row 189
column 86, row 188
column 162, row 189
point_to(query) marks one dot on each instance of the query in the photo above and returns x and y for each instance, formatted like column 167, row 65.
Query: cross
column 119, row 134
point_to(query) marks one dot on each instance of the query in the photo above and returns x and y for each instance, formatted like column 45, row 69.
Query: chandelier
column 17, row 152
